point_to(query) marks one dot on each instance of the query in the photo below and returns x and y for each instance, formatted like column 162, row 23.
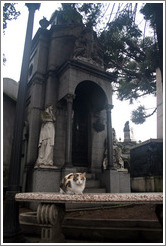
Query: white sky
column 13, row 44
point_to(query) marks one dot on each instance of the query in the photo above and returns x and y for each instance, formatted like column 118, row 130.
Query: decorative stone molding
column 98, row 126
column 51, row 217
column 109, row 107
column 47, row 214
column 69, row 98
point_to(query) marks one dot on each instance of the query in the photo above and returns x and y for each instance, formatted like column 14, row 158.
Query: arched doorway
column 89, row 98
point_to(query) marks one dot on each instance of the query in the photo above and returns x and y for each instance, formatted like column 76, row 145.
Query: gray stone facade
column 67, row 70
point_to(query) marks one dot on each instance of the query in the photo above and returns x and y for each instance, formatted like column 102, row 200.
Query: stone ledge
column 46, row 167
column 108, row 198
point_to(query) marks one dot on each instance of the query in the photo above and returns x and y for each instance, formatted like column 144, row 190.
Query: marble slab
column 108, row 198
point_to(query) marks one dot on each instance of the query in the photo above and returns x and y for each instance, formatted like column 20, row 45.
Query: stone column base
column 116, row 182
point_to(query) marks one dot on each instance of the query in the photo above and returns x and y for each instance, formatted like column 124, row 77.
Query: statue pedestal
column 116, row 181
column 45, row 179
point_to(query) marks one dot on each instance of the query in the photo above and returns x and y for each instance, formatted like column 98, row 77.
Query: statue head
column 126, row 127
column 49, row 105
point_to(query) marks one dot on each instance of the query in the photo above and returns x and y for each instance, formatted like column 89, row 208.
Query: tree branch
column 146, row 116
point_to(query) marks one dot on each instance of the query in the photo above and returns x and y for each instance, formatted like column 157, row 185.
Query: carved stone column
column 51, row 216
column 68, row 159
column 109, row 137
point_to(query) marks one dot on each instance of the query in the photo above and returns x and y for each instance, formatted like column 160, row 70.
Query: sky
column 13, row 45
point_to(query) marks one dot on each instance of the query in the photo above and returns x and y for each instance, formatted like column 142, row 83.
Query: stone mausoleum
column 67, row 71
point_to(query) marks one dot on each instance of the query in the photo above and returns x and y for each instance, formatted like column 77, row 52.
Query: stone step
column 118, row 235
column 98, row 230
column 30, row 218
column 81, row 206
column 119, row 231
column 90, row 176
column 92, row 183
column 112, row 222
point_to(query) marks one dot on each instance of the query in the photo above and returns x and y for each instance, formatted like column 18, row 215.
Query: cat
column 73, row 183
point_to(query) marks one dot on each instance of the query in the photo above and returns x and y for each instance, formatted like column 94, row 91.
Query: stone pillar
column 159, row 86
column 68, row 158
column 109, row 137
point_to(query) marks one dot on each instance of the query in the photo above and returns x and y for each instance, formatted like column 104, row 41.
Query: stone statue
column 126, row 127
column 126, row 131
column 117, row 153
column 46, row 139
column 87, row 48
column 118, row 162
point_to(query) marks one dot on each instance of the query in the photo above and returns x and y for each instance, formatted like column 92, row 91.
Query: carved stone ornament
column 87, row 48
column 44, row 23
column 98, row 126
column 47, row 214
column 50, row 216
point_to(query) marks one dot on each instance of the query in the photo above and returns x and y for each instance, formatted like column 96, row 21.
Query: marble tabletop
column 108, row 198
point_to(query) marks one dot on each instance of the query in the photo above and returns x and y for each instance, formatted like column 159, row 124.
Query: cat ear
column 84, row 174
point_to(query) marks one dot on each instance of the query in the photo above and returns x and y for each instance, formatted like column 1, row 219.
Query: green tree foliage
column 153, row 12
column 130, row 57
column 69, row 14
column 91, row 12
column 9, row 13
column 139, row 115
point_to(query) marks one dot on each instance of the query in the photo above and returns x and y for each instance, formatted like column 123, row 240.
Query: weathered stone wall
column 147, row 159
column 147, row 184
column 62, row 44
column 146, row 166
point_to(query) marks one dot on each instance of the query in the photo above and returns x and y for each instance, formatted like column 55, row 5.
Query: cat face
column 73, row 183
column 79, row 178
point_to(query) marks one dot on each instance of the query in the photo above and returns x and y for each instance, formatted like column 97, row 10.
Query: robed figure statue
column 46, row 139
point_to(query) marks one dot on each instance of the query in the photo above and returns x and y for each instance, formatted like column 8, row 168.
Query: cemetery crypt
column 68, row 109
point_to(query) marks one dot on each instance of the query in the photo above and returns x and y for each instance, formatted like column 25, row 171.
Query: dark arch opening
column 89, row 98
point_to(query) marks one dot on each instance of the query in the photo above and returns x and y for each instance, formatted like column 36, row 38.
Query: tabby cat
column 73, row 183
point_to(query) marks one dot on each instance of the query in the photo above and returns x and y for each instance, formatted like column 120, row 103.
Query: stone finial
column 44, row 23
